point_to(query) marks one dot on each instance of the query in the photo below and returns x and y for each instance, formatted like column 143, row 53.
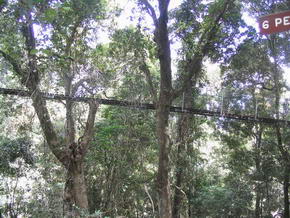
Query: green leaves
column 66, row 9
column 11, row 150
column 33, row 51
column 50, row 15
column 3, row 3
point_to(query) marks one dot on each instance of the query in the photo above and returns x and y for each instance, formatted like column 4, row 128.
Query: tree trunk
column 257, row 158
column 163, row 110
column 183, row 134
column 167, row 94
column 193, row 68
column 71, row 155
column 286, row 192
column 163, row 183
column 258, row 203
column 177, row 200
column 75, row 195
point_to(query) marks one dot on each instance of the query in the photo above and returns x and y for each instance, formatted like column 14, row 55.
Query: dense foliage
column 143, row 163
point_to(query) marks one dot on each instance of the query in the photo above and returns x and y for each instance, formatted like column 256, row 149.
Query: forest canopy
column 143, row 108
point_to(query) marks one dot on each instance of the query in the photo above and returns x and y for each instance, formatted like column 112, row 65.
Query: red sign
column 275, row 23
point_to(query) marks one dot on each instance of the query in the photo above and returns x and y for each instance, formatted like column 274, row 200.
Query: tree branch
column 163, row 7
column 150, row 11
column 209, row 34
column 71, row 38
column 78, row 84
column 30, row 78
column 195, row 63
column 89, row 129
column 145, row 69
column 41, row 110
column 45, row 122
column 193, row 68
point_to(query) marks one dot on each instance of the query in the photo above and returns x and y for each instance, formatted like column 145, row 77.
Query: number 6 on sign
column 275, row 23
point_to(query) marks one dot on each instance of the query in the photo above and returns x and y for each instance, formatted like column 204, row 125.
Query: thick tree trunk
column 75, row 196
column 163, row 183
column 71, row 155
column 163, row 110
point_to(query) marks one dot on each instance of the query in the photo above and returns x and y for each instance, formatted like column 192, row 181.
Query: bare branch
column 78, row 84
column 150, row 11
column 89, row 129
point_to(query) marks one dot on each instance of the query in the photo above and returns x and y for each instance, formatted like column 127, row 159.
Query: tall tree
column 52, row 40
column 203, row 34
column 167, row 94
column 163, row 103
column 252, row 71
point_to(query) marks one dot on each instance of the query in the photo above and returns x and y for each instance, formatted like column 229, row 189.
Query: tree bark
column 286, row 192
column 163, row 106
column 257, row 203
column 163, row 183
column 75, row 195
column 183, row 133
column 163, row 109
column 257, row 159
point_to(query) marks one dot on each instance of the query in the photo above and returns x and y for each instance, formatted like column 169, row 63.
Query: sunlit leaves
column 194, row 21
